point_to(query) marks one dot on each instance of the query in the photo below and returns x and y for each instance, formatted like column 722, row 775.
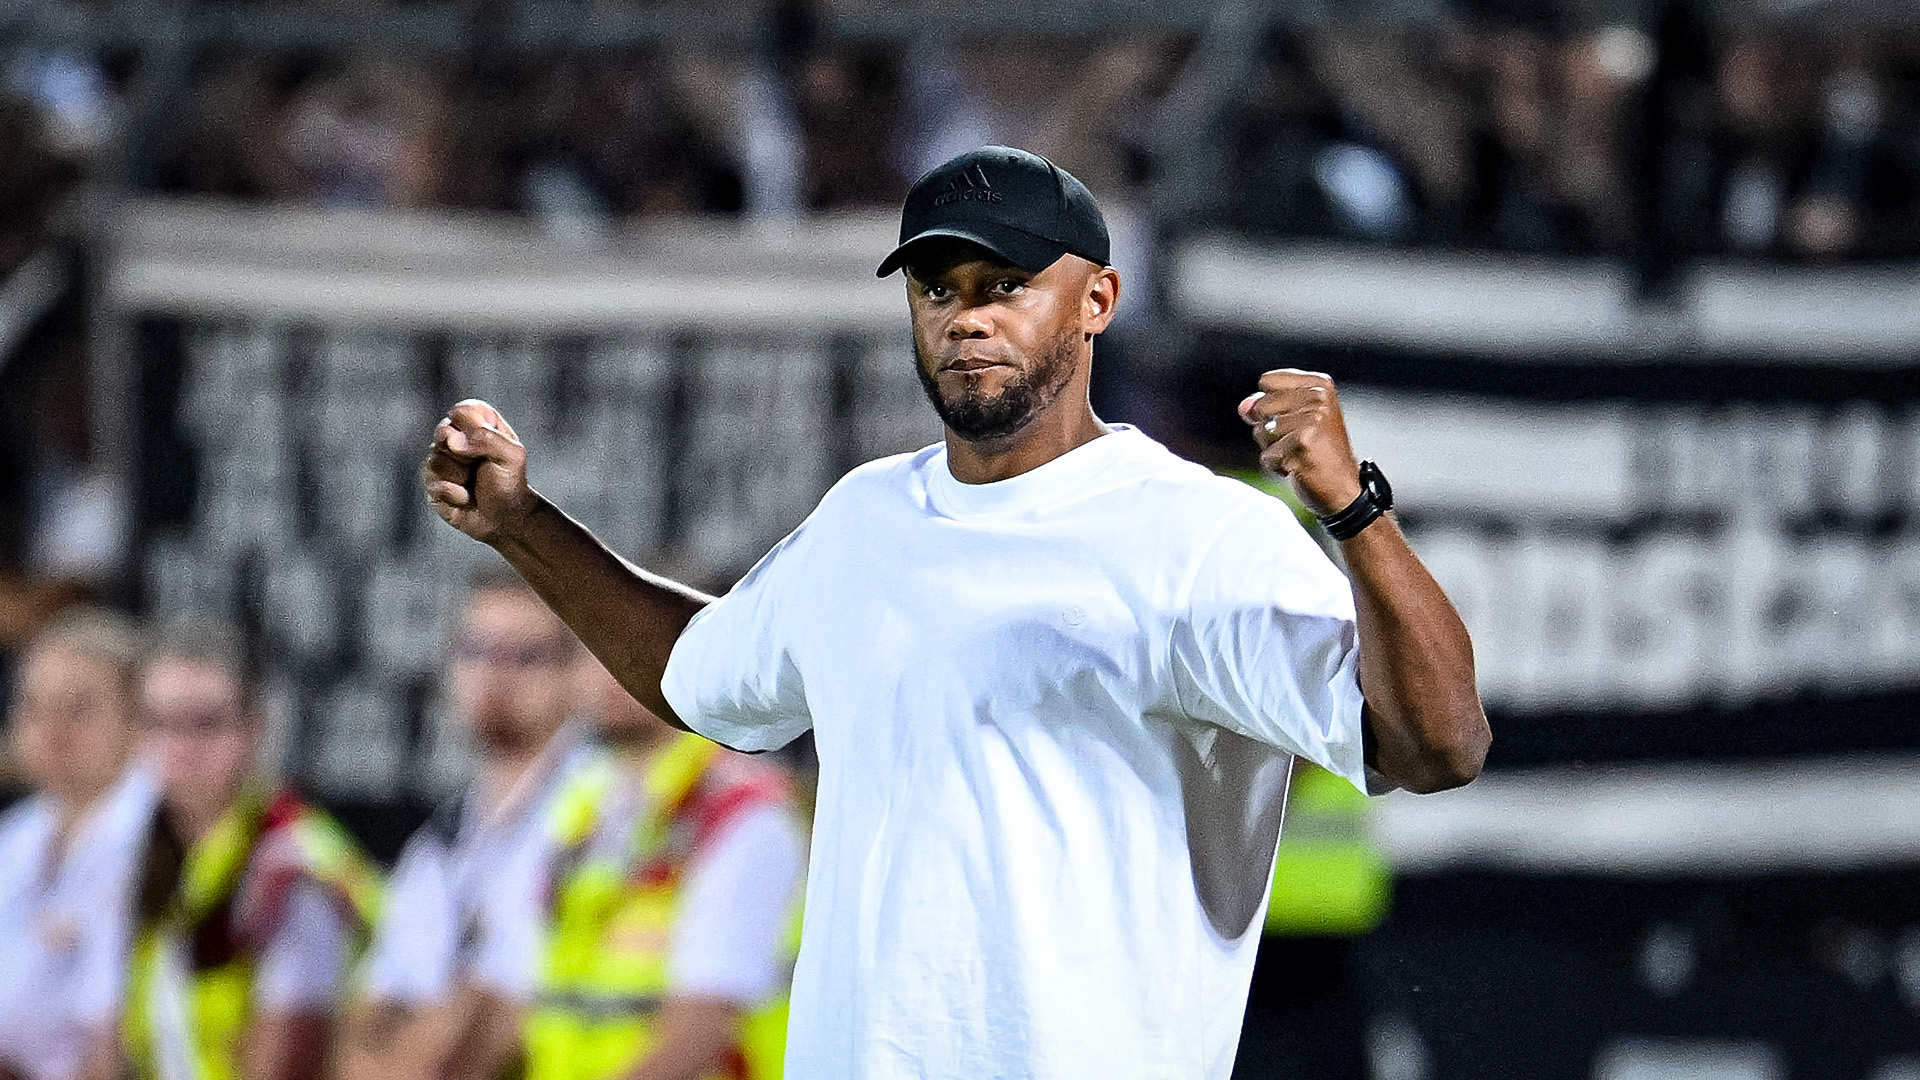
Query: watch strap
column 1364, row 510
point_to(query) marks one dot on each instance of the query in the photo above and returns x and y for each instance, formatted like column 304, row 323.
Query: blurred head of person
column 512, row 670
column 73, row 705
column 200, row 712
column 620, row 722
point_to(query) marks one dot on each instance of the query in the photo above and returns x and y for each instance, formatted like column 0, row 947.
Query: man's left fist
column 1296, row 420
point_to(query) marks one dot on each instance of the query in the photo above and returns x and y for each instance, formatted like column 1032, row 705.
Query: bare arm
column 486, row 1037
column 286, row 1046
column 476, row 480
column 694, row 1033
column 1425, row 728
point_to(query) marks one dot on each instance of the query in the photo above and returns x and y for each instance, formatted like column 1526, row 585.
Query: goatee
column 979, row 417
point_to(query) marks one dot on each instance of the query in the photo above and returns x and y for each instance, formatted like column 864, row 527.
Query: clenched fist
column 1296, row 420
column 476, row 473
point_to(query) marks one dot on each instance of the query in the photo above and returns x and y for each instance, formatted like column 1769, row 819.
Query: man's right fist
column 476, row 473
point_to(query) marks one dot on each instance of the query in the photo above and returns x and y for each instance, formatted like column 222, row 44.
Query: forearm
column 627, row 617
column 1426, row 729
column 694, row 1035
column 286, row 1046
column 484, row 1042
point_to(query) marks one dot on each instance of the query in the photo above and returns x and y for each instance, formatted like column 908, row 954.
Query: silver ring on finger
column 1271, row 427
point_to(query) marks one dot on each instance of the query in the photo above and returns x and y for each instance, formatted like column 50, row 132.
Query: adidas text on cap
column 1018, row 205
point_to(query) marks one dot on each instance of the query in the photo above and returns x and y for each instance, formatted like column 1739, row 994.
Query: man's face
column 72, row 721
column 203, row 731
column 512, row 670
column 996, row 345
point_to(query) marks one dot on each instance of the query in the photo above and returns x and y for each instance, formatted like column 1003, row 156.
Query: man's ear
column 1102, row 299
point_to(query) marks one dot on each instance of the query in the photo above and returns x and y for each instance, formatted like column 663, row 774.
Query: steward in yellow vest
column 190, row 995
column 249, row 906
column 624, row 977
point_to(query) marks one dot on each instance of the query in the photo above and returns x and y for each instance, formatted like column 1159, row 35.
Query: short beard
column 977, row 417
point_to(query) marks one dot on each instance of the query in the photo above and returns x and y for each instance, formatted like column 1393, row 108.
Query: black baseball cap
column 1018, row 205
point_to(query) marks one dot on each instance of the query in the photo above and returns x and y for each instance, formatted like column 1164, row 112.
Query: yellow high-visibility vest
column 190, row 987
column 613, row 906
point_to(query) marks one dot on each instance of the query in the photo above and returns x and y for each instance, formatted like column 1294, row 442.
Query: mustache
column 977, row 416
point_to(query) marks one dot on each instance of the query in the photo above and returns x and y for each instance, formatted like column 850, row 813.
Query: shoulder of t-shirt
column 301, row 842
column 24, row 813
column 1206, row 501
column 861, row 484
column 1228, row 533
column 22, row 826
column 886, row 474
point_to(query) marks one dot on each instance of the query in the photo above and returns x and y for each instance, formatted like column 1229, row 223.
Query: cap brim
column 1022, row 249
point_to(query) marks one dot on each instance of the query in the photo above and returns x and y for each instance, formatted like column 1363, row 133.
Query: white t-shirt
column 303, row 966
column 464, row 903
column 65, row 928
column 1055, row 717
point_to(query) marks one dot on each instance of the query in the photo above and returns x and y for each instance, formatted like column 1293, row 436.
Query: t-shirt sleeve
column 1267, row 645
column 733, row 918
column 732, row 675
column 303, row 966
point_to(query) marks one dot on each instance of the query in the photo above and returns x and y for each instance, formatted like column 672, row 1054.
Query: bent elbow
column 1456, row 759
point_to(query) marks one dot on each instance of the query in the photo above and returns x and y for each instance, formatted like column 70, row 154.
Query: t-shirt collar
column 1049, row 484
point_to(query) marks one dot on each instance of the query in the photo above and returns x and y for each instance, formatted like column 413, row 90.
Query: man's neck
column 70, row 812
column 500, row 777
column 636, row 754
column 1068, row 425
column 195, row 822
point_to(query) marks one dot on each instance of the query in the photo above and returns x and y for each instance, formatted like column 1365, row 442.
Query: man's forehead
column 512, row 612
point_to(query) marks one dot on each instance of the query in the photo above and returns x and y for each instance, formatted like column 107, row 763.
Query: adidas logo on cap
column 971, row 185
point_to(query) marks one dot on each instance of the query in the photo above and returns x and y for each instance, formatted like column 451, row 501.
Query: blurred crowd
column 1785, row 141
column 1774, row 142
column 607, row 897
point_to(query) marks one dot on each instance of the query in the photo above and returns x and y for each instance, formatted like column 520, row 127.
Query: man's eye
column 1006, row 288
column 936, row 292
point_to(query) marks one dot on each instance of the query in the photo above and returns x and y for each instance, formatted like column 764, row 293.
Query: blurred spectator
column 1806, row 162
column 251, row 903
column 367, row 134
column 1275, row 130
column 674, row 891
column 363, row 131
column 1084, row 105
column 455, row 956
column 847, row 100
column 616, row 126
column 68, row 853
column 228, row 140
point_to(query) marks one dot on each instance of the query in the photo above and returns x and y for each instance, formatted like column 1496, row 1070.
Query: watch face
column 1376, row 485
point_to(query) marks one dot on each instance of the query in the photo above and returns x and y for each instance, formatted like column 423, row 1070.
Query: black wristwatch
column 1375, row 498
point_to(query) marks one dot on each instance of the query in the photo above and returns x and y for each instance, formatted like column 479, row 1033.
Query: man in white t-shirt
column 1055, row 674
column 68, row 853
column 456, row 950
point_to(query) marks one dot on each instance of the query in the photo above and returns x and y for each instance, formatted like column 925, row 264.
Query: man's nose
column 970, row 321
